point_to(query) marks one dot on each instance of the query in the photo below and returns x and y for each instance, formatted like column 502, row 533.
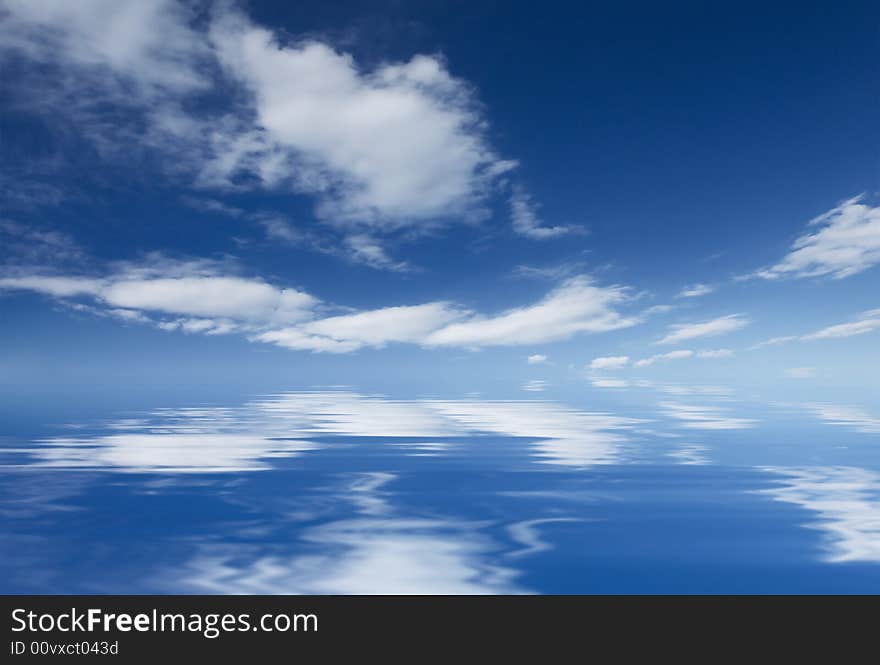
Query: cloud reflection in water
column 209, row 440
column 846, row 501
column 377, row 551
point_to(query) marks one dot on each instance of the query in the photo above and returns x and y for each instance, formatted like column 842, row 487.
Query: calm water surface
column 339, row 491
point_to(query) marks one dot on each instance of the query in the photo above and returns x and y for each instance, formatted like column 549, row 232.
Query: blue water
column 343, row 491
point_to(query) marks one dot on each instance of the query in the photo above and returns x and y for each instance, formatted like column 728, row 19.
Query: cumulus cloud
column 400, row 145
column 695, row 291
column 841, row 242
column 685, row 331
column 401, row 142
column 609, row 362
column 536, row 359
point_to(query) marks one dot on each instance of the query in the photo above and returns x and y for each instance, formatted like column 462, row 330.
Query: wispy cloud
column 527, row 222
column 535, row 386
column 365, row 248
column 695, row 291
column 202, row 292
column 578, row 305
column 555, row 272
column 203, row 297
column 27, row 244
column 672, row 355
column 715, row 353
column 844, row 241
column 375, row 328
column 536, row 359
column 609, row 382
column 866, row 322
column 609, row 362
column 681, row 332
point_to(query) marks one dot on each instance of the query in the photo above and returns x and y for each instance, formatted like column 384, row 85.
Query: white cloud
column 576, row 306
column 376, row 328
column 58, row 286
column 527, row 222
column 774, row 341
column 609, row 362
column 608, row 382
column 27, row 245
column 715, row 353
column 867, row 322
column 209, row 296
column 146, row 41
column 364, row 248
column 536, row 359
column 391, row 146
column 844, row 241
column 679, row 390
column 672, row 355
column 535, row 386
column 719, row 326
column 200, row 297
column 400, row 145
column 695, row 291
column 197, row 295
column 555, row 272
column 800, row 373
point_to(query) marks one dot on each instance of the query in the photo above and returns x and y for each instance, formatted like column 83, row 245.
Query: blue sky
column 454, row 196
